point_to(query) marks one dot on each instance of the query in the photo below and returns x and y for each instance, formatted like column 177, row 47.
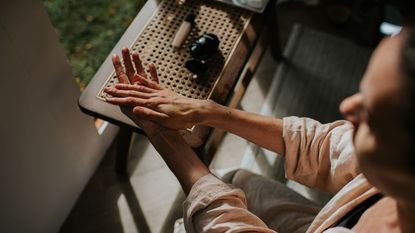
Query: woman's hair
column 408, row 71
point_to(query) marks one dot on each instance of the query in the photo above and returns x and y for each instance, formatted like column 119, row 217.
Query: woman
column 367, row 161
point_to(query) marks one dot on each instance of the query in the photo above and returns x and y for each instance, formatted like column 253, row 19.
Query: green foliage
column 89, row 29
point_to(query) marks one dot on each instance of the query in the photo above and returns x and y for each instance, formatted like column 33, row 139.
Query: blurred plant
column 89, row 29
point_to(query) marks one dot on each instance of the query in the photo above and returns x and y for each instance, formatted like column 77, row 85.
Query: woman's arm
column 261, row 130
column 172, row 110
column 211, row 204
column 179, row 157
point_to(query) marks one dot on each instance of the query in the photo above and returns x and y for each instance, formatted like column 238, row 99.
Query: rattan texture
column 154, row 44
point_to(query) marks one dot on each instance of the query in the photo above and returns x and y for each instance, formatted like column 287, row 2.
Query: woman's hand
column 177, row 154
column 156, row 103
column 131, row 75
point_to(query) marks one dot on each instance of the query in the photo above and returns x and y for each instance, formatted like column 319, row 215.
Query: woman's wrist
column 150, row 128
column 206, row 111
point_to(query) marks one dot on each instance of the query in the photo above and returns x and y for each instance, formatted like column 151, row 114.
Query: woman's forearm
column 261, row 130
column 179, row 157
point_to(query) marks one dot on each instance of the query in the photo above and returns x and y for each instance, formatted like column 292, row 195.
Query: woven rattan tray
column 154, row 44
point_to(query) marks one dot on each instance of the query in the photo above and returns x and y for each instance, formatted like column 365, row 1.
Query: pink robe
column 317, row 155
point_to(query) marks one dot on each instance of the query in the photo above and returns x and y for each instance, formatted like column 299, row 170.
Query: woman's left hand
column 131, row 75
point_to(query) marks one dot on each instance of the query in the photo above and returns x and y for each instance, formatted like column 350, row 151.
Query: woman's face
column 376, row 112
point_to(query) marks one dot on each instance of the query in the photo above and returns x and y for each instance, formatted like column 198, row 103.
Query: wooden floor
column 150, row 200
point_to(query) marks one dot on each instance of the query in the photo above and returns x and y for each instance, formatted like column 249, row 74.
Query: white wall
column 48, row 148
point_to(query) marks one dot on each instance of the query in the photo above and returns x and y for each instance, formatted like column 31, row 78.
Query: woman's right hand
column 153, row 102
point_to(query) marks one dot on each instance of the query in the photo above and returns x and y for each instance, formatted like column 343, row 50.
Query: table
column 232, row 80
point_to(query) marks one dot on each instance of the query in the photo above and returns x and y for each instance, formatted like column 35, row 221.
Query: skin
column 376, row 112
column 169, row 109
column 167, row 142
column 381, row 140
